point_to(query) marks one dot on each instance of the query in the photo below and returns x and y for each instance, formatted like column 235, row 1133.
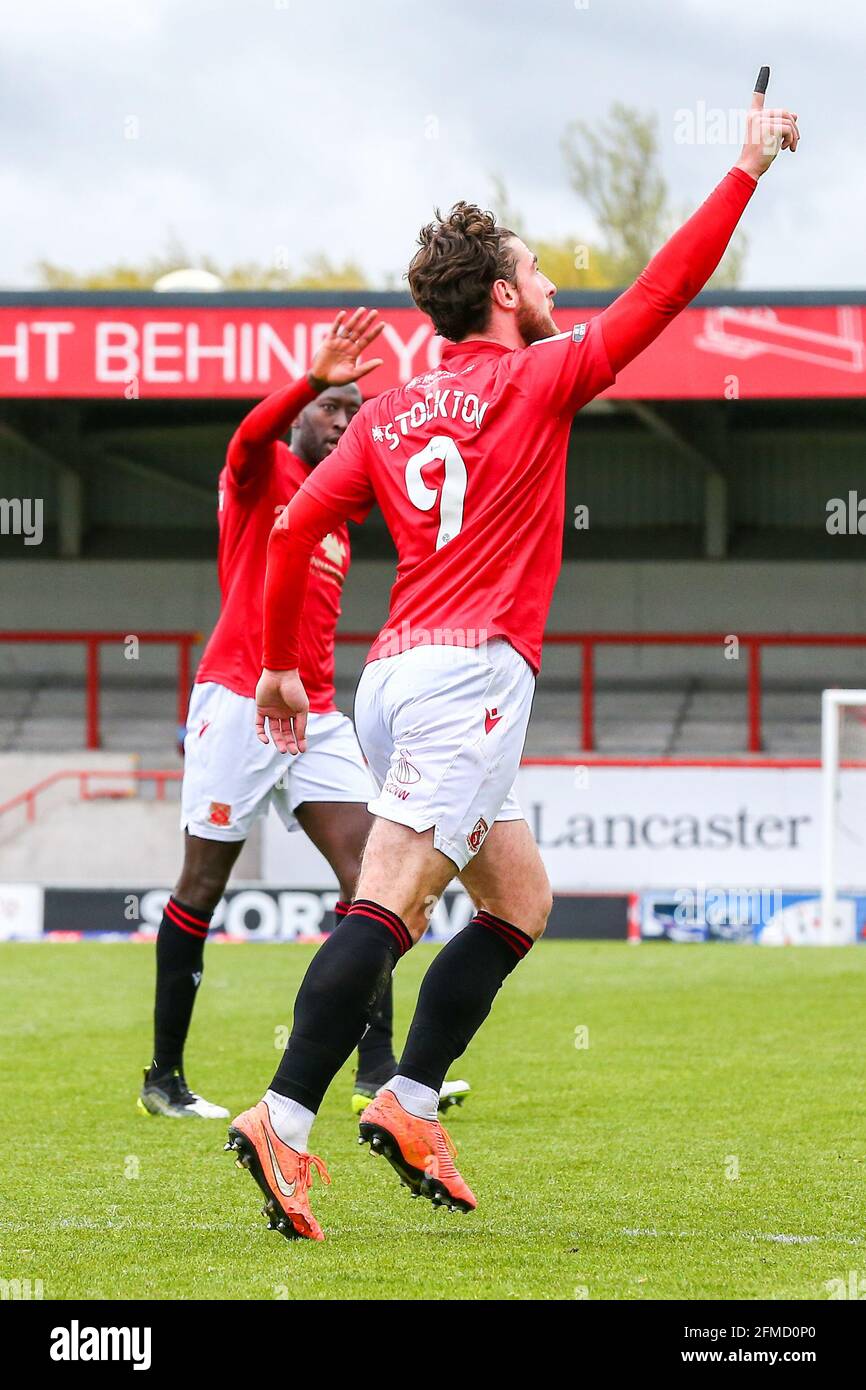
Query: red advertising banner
column 109, row 351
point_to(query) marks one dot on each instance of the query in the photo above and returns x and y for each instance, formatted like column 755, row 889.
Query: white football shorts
column 230, row 779
column 443, row 730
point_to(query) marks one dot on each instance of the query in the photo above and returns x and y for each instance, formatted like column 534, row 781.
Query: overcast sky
column 268, row 124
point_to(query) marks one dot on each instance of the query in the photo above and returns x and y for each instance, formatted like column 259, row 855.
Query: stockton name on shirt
column 445, row 403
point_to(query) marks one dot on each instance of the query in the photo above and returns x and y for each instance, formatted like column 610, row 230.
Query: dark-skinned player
column 230, row 779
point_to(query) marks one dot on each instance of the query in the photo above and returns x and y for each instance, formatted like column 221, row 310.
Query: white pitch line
column 652, row 1233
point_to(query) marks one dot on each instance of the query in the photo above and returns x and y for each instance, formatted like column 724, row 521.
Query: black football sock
column 179, row 963
column 341, row 987
column 457, row 994
column 376, row 1060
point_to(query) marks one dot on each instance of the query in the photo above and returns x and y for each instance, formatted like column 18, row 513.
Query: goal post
column 843, row 740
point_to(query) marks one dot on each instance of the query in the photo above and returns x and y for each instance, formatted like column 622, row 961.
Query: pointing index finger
column 761, row 88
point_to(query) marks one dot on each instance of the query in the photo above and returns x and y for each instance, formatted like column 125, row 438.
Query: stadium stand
column 697, row 502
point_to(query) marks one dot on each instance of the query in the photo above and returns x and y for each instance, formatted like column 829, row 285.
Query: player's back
column 467, row 464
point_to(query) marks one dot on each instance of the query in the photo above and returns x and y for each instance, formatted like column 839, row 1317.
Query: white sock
column 421, row 1101
column 292, row 1122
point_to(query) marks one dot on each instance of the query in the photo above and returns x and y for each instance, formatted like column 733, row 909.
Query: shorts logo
column 403, row 771
column 491, row 719
column 476, row 836
column 205, row 725
column 393, row 790
column 220, row 813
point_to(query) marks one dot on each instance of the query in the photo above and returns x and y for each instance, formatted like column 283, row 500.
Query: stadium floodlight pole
column 832, row 702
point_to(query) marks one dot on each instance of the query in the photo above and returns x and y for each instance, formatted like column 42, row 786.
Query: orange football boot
column 420, row 1151
column 284, row 1175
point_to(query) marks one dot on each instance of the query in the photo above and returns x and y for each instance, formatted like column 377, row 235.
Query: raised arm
column 685, row 263
column 251, row 450
column 337, row 362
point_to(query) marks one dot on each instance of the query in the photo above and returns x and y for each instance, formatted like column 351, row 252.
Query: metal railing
column 85, row 778
column 589, row 643
column 754, row 644
column 93, row 642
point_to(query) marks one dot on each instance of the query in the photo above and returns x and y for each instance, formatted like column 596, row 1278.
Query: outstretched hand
column 767, row 132
column 338, row 360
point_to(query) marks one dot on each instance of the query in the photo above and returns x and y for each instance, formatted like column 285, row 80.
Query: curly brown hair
column 453, row 271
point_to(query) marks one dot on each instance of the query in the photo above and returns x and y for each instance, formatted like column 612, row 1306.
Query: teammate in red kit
column 467, row 464
column 230, row 779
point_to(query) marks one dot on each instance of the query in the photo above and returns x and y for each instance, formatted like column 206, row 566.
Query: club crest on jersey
column 220, row 813
column 333, row 548
column 329, row 560
column 578, row 332
column 475, row 838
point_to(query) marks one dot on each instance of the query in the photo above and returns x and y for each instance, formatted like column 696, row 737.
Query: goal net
column 843, row 825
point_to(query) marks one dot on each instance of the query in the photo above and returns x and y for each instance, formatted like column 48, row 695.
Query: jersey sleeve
column 252, row 450
column 342, row 480
column 248, row 468
column 295, row 534
column 677, row 272
column 562, row 373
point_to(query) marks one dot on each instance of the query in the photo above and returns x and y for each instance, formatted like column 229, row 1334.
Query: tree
column 613, row 167
column 571, row 264
column 319, row 273
column 577, row 265
column 614, row 170
column 505, row 212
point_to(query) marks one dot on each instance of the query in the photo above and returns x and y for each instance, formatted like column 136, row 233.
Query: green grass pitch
column 708, row 1142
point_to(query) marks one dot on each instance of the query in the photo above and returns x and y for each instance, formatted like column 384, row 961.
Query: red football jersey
column 468, row 466
column 248, row 507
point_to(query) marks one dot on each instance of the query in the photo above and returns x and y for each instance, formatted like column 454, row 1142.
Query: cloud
column 263, row 125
